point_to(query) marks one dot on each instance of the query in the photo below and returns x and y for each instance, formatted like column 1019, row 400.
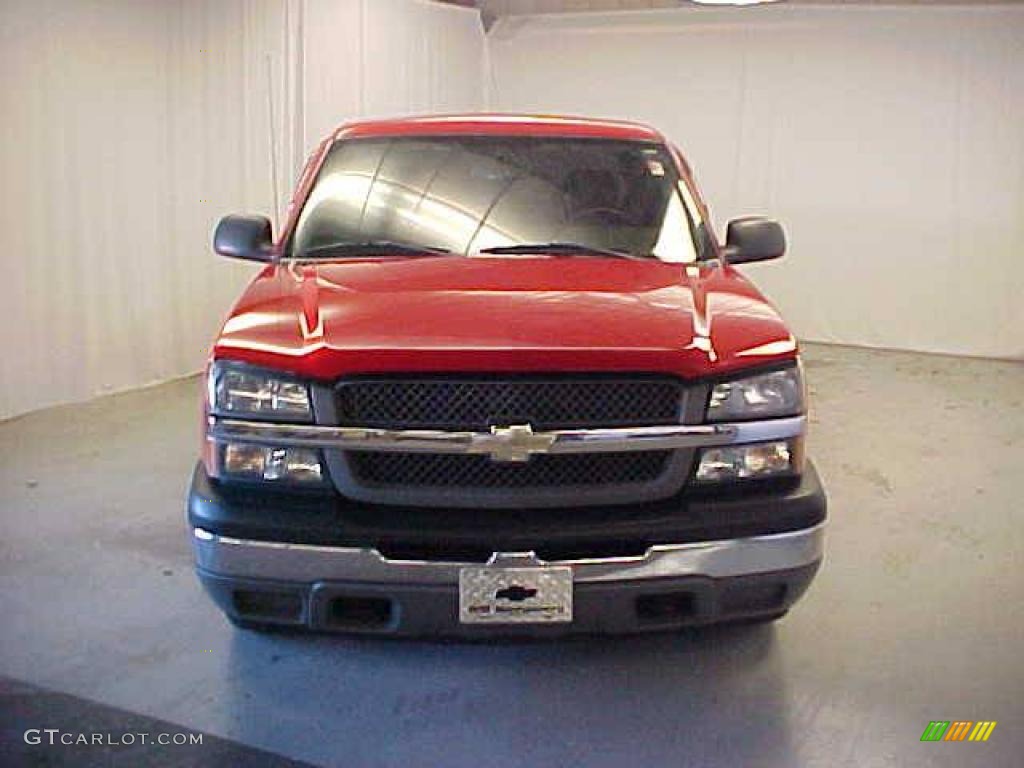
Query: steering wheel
column 612, row 216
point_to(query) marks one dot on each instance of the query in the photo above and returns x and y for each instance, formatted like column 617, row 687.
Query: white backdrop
column 130, row 126
column 889, row 141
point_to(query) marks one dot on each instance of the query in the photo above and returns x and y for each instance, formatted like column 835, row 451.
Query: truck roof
column 497, row 125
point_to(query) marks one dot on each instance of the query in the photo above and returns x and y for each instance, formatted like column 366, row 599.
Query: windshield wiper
column 372, row 248
column 567, row 249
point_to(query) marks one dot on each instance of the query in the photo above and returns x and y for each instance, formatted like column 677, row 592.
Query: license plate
column 495, row 595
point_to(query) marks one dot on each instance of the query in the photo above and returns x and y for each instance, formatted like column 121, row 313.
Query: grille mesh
column 478, row 404
column 453, row 470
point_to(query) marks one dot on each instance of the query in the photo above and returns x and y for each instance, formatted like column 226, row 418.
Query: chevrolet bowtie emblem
column 516, row 442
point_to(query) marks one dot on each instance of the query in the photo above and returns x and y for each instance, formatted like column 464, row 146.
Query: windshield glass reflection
column 470, row 193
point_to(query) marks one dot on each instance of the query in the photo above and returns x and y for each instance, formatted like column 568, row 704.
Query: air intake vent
column 479, row 403
column 450, row 470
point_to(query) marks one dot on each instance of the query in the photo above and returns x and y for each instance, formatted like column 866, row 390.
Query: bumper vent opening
column 666, row 608
column 348, row 612
column 273, row 606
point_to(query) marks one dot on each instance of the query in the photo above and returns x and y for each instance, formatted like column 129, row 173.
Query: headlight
column 749, row 462
column 765, row 396
column 238, row 390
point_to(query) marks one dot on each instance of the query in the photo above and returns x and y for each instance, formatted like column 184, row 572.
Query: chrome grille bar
column 515, row 443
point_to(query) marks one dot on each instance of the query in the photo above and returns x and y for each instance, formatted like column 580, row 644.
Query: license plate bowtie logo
column 958, row 730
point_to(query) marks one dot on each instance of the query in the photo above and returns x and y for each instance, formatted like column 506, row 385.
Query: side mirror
column 244, row 237
column 754, row 238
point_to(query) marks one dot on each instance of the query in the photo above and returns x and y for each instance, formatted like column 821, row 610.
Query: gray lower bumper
column 300, row 562
column 357, row 589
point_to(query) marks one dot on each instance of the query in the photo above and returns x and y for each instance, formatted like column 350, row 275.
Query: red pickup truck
column 498, row 376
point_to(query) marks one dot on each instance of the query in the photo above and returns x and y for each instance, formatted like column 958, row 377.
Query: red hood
column 503, row 314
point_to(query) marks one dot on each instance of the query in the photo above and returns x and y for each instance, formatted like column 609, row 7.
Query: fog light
column 744, row 462
column 241, row 459
column 302, row 465
column 257, row 462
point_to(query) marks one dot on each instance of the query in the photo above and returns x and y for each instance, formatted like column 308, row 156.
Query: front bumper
column 605, row 607
column 355, row 581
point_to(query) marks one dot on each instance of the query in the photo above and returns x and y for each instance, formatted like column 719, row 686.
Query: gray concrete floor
column 917, row 615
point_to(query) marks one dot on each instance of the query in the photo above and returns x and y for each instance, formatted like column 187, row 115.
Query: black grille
column 453, row 470
column 477, row 404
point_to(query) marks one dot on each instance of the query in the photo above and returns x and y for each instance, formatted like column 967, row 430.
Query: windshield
column 473, row 194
